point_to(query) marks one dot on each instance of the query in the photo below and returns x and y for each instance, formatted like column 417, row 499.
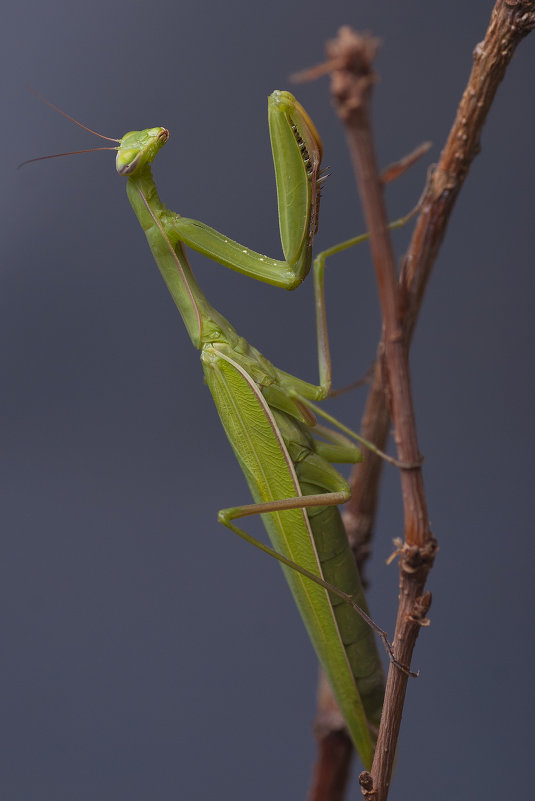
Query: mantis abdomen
column 295, row 489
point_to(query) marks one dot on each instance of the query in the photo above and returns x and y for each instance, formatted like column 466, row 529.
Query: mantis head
column 139, row 148
column 135, row 150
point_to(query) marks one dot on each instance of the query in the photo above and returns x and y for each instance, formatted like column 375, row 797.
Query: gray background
column 146, row 653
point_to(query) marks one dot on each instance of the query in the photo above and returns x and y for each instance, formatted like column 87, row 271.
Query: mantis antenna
column 80, row 125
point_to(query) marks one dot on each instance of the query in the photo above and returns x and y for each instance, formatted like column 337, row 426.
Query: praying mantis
column 270, row 416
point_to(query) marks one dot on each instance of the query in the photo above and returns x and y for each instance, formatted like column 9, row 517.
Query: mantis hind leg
column 227, row 516
column 315, row 473
column 310, row 503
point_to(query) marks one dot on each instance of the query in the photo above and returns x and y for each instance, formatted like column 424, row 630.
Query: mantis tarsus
column 268, row 415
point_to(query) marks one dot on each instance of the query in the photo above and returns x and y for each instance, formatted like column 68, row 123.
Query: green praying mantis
column 270, row 416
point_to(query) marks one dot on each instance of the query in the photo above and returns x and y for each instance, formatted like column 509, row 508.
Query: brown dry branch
column 351, row 86
column 511, row 20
